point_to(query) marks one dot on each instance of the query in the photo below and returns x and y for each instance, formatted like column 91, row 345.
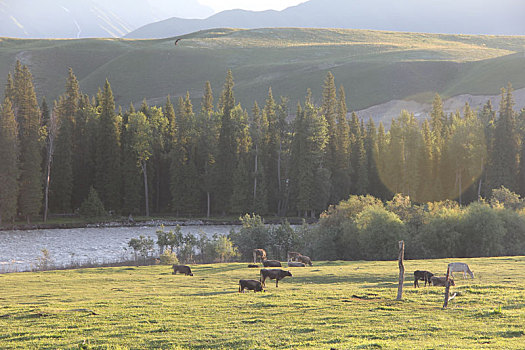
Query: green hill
column 374, row 66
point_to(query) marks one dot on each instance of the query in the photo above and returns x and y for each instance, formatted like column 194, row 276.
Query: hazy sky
column 255, row 5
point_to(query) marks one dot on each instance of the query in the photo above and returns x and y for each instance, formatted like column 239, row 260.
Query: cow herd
column 428, row 277
column 298, row 260
column 294, row 260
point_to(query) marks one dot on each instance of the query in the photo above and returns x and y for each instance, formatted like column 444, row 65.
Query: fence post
column 447, row 288
column 401, row 270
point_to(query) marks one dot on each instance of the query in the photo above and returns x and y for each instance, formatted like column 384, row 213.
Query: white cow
column 460, row 267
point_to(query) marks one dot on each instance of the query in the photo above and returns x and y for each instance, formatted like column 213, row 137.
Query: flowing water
column 21, row 250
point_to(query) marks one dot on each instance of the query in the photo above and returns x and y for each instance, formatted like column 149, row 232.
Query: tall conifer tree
column 9, row 163
column 226, row 151
column 27, row 115
column 108, row 172
column 66, row 145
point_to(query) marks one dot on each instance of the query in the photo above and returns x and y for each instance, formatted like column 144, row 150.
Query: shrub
column 379, row 232
column 92, row 206
column 168, row 257
column 440, row 236
column 482, row 232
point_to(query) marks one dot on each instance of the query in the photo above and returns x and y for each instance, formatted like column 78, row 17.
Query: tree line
column 219, row 158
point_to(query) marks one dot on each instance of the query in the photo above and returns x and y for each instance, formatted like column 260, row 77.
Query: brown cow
column 304, row 259
column 441, row 281
column 261, row 253
column 182, row 269
column 271, row 263
column 273, row 274
column 292, row 256
column 250, row 285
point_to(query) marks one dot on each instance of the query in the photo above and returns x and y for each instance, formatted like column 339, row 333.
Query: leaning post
column 447, row 288
column 401, row 270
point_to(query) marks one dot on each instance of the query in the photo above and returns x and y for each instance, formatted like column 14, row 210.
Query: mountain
column 88, row 18
column 375, row 67
column 502, row 17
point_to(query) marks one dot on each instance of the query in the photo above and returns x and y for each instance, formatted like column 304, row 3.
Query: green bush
column 379, row 232
column 92, row 206
column 168, row 257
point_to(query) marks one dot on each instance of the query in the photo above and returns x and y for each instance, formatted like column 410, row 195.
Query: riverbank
column 71, row 222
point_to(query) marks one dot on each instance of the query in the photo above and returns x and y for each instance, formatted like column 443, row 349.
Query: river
column 20, row 250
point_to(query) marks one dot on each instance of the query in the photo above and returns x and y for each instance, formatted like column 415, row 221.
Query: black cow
column 420, row 275
column 250, row 285
column 182, row 269
column 271, row 263
column 295, row 264
column 273, row 274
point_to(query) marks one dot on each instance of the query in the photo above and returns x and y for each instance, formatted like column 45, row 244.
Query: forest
column 216, row 157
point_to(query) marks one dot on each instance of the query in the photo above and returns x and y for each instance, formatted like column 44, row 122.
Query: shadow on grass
column 205, row 294
column 365, row 281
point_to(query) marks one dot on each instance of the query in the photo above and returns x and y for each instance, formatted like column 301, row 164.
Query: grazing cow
column 304, row 259
column 261, row 253
column 182, row 269
column 273, row 274
column 441, row 281
column 420, row 275
column 250, row 285
column 460, row 267
column 292, row 256
column 295, row 264
column 271, row 263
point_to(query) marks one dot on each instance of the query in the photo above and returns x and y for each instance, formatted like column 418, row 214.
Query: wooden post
column 401, row 270
column 447, row 288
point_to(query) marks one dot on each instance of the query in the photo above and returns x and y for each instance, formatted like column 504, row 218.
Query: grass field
column 340, row 305
column 373, row 66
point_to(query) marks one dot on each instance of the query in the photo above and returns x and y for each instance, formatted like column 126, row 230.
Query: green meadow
column 340, row 305
column 373, row 66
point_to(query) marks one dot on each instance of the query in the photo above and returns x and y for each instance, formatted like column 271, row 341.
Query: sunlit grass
column 330, row 305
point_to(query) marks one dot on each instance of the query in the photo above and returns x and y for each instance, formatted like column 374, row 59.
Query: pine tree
column 270, row 154
column 341, row 169
column 375, row 186
column 225, row 150
column 425, row 186
column 206, row 152
column 107, row 177
column 258, row 132
column 9, row 171
column 329, row 108
column 62, row 166
column 309, row 177
column 85, row 135
column 506, row 144
column 362, row 163
column 27, row 115
column 488, row 119
column 382, row 156
column 132, row 185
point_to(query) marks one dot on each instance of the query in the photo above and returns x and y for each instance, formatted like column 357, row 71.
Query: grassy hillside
column 330, row 305
column 374, row 66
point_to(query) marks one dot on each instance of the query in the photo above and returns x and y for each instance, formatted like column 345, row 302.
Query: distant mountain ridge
column 88, row 18
column 502, row 17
